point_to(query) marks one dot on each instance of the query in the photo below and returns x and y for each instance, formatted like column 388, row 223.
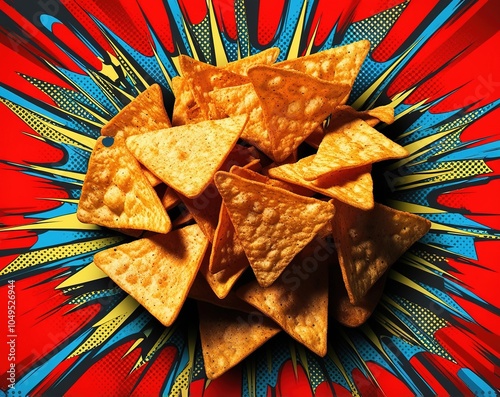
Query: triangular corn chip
column 340, row 307
column 186, row 157
column 293, row 105
column 228, row 337
column 203, row 78
column 369, row 242
column 339, row 65
column 272, row 224
column 243, row 100
column 115, row 192
column 202, row 291
column 265, row 57
column 298, row 300
column 353, row 186
column 351, row 144
column 185, row 110
column 145, row 113
column 157, row 271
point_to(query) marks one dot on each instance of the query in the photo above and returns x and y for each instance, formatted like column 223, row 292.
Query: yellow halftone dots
column 183, row 380
column 108, row 325
column 85, row 275
column 47, row 255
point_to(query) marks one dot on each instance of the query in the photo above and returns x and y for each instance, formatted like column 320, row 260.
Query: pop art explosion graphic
column 68, row 66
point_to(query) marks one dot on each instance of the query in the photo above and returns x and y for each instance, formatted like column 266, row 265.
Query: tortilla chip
column 185, row 110
column 157, row 271
column 115, row 192
column 338, row 65
column 186, row 157
column 369, row 242
column 298, row 300
column 234, row 263
column 342, row 310
column 353, row 186
column 170, row 198
column 293, row 105
column 265, row 57
column 272, row 224
column 243, row 100
column 145, row 113
column 353, row 144
column 228, row 337
column 202, row 291
column 203, row 78
column 205, row 209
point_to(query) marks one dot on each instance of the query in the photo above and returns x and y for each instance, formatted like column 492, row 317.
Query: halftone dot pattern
column 94, row 295
column 79, row 159
column 461, row 169
column 100, row 334
column 71, row 101
column 48, row 255
column 316, row 373
column 37, row 123
column 374, row 28
column 198, row 368
column 203, row 34
column 424, row 323
column 242, row 27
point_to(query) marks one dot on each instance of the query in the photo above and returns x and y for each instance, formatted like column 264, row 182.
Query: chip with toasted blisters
column 157, row 271
column 349, row 144
column 293, row 105
column 228, row 336
column 116, row 193
column 298, row 299
column 186, row 157
column 243, row 100
column 265, row 57
column 338, row 65
column 203, row 78
column 234, row 264
column 353, row 186
column 372, row 117
column 144, row 113
column 369, row 242
column 340, row 307
column 272, row 224
column 185, row 110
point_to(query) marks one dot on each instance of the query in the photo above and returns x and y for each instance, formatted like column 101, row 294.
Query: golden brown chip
column 293, row 105
column 353, row 186
column 353, row 144
column 157, row 271
column 243, row 100
column 369, row 242
column 272, row 224
column 340, row 307
column 186, row 157
column 203, row 78
column 339, row 65
column 228, row 336
column 170, row 198
column 185, row 110
column 145, row 113
column 298, row 299
column 115, row 192
column 265, row 57
column 202, row 291
column 223, row 281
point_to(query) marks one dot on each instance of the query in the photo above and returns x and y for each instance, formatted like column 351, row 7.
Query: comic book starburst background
column 68, row 66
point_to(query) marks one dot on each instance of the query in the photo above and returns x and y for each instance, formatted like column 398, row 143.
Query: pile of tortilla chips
column 226, row 211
